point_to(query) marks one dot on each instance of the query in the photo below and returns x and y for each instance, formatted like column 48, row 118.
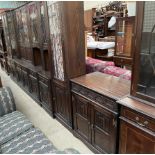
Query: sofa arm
column 7, row 103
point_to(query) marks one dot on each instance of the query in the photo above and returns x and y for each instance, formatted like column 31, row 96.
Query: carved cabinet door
column 81, row 108
column 104, row 130
column 134, row 140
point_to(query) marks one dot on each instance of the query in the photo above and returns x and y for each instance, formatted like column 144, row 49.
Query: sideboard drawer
column 140, row 119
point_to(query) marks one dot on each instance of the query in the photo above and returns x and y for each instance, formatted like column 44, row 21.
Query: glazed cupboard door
column 22, row 35
column 44, row 24
column 68, row 59
column 59, row 86
column 104, row 129
column 143, row 85
column 12, row 32
column 34, row 23
column 56, row 37
column 6, row 34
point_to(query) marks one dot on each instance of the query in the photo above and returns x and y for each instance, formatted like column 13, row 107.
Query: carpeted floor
column 56, row 133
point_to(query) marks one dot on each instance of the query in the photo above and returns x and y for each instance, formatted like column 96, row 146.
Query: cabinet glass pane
column 19, row 25
column 146, row 84
column 55, row 25
column 6, row 34
column 33, row 22
column 43, row 21
column 11, row 28
column 25, row 27
column 124, row 36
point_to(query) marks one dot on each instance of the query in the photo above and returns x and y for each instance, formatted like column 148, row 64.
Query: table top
column 104, row 84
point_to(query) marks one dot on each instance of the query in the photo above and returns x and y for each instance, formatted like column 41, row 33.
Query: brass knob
column 146, row 122
column 137, row 118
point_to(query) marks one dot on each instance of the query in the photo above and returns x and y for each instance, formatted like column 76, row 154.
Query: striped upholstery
column 7, row 103
column 31, row 142
column 11, row 125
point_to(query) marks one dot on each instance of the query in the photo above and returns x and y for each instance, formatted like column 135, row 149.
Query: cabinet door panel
column 81, row 117
column 34, row 86
column 104, row 130
column 62, row 103
column 135, row 141
column 25, row 78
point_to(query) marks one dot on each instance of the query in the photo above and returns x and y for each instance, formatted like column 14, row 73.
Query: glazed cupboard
column 42, row 49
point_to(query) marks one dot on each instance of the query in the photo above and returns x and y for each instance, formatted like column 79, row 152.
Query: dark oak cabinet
column 143, row 83
column 95, row 113
column 67, row 53
column 136, row 130
column 95, row 124
column 135, row 140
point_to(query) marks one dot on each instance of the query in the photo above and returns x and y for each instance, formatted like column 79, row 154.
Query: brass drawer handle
column 146, row 122
column 137, row 118
column 141, row 124
column 114, row 122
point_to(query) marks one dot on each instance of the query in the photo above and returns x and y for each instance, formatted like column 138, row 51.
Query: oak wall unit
column 28, row 55
column 143, row 83
column 137, row 119
column 137, row 127
column 68, row 57
column 50, row 47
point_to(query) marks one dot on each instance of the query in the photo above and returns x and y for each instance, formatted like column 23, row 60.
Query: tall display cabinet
column 143, row 85
column 137, row 118
column 67, row 45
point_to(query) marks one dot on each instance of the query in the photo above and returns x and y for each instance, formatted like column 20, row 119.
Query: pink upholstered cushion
column 117, row 71
column 93, row 65
column 126, row 75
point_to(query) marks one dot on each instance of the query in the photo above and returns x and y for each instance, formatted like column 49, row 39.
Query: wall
column 11, row 4
column 131, row 6
column 94, row 4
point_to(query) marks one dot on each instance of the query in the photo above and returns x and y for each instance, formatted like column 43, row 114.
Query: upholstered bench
column 17, row 133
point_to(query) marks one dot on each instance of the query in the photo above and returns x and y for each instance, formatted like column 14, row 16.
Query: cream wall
column 131, row 6
column 93, row 4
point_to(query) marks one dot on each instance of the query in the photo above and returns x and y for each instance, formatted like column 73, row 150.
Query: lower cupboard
column 95, row 125
column 34, row 81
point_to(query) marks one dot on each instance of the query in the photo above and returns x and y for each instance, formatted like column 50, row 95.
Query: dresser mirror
column 144, row 84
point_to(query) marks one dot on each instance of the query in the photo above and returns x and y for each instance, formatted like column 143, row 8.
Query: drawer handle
column 141, row 124
column 146, row 122
column 137, row 118
column 114, row 122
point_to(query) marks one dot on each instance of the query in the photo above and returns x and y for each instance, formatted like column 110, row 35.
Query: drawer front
column 95, row 97
column 138, row 118
column 44, row 80
column 134, row 140
column 122, row 61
